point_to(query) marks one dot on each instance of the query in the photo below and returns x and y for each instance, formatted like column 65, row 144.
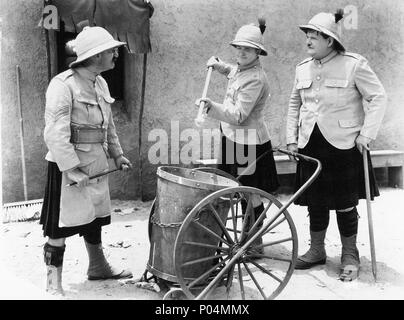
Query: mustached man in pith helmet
column 80, row 135
column 328, row 121
column 241, row 115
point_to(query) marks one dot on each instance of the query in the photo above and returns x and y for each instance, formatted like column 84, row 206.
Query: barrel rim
column 192, row 183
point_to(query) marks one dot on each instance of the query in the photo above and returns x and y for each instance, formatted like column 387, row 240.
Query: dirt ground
column 126, row 243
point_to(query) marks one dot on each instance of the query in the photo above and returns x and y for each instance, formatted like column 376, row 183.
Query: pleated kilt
column 51, row 208
column 341, row 182
column 264, row 176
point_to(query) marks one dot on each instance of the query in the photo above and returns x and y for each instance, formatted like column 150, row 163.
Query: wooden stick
column 24, row 173
column 369, row 211
column 95, row 176
column 199, row 118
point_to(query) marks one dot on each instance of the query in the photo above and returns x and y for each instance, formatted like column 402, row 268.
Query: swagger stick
column 96, row 176
column 369, row 211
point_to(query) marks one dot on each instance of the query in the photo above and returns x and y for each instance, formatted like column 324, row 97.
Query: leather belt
column 87, row 134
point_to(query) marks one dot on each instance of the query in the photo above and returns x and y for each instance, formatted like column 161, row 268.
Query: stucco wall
column 184, row 34
column 23, row 44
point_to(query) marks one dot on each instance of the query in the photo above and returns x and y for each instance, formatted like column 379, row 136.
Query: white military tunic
column 330, row 92
column 81, row 97
column 241, row 114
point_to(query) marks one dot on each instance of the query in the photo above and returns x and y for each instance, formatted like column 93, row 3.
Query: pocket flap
column 349, row 123
column 85, row 100
column 304, row 84
column 336, row 83
column 85, row 147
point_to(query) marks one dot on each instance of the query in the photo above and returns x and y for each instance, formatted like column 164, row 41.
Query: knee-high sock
column 319, row 218
column 348, row 222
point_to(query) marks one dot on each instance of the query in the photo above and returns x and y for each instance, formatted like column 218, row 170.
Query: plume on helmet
column 339, row 15
column 261, row 24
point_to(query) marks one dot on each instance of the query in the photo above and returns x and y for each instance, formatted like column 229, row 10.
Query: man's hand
column 78, row 176
column 362, row 143
column 123, row 163
column 292, row 147
column 214, row 62
column 208, row 103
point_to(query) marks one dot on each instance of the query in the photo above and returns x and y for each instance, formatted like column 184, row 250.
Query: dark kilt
column 265, row 175
column 51, row 207
column 341, row 182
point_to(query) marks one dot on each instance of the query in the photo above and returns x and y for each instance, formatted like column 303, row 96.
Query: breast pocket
column 336, row 91
column 304, row 86
column 85, row 111
column 233, row 92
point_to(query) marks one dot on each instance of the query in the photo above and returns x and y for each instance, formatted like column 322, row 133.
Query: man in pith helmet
column 328, row 120
column 80, row 135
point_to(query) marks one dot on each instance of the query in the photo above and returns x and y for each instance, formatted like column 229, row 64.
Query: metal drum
column 178, row 192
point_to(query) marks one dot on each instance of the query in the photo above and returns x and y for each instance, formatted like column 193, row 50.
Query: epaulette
column 65, row 74
column 352, row 55
column 305, row 61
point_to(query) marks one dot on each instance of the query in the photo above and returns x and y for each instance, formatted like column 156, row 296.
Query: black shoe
column 303, row 265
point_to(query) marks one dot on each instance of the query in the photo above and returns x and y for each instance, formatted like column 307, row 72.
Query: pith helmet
column 328, row 24
column 91, row 41
column 251, row 36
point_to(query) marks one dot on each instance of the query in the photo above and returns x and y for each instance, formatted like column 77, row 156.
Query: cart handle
column 289, row 153
column 298, row 155
column 293, row 197
column 251, row 239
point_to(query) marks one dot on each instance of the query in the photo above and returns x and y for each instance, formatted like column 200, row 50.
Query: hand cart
column 202, row 240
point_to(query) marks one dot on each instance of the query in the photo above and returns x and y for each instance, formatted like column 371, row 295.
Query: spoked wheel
column 218, row 251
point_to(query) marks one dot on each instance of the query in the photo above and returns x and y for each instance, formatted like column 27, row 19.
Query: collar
column 255, row 63
column 86, row 73
column 327, row 58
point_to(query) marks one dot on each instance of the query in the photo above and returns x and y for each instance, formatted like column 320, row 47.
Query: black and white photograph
column 224, row 152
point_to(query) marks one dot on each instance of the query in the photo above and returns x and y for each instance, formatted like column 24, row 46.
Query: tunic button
column 317, row 89
column 318, row 78
column 316, row 100
column 316, row 113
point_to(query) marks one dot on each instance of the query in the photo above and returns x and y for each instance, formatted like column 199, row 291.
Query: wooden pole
column 369, row 211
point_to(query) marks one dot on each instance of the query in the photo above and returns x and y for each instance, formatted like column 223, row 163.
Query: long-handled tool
column 369, row 211
column 201, row 117
column 28, row 209
column 24, row 173
column 96, row 176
